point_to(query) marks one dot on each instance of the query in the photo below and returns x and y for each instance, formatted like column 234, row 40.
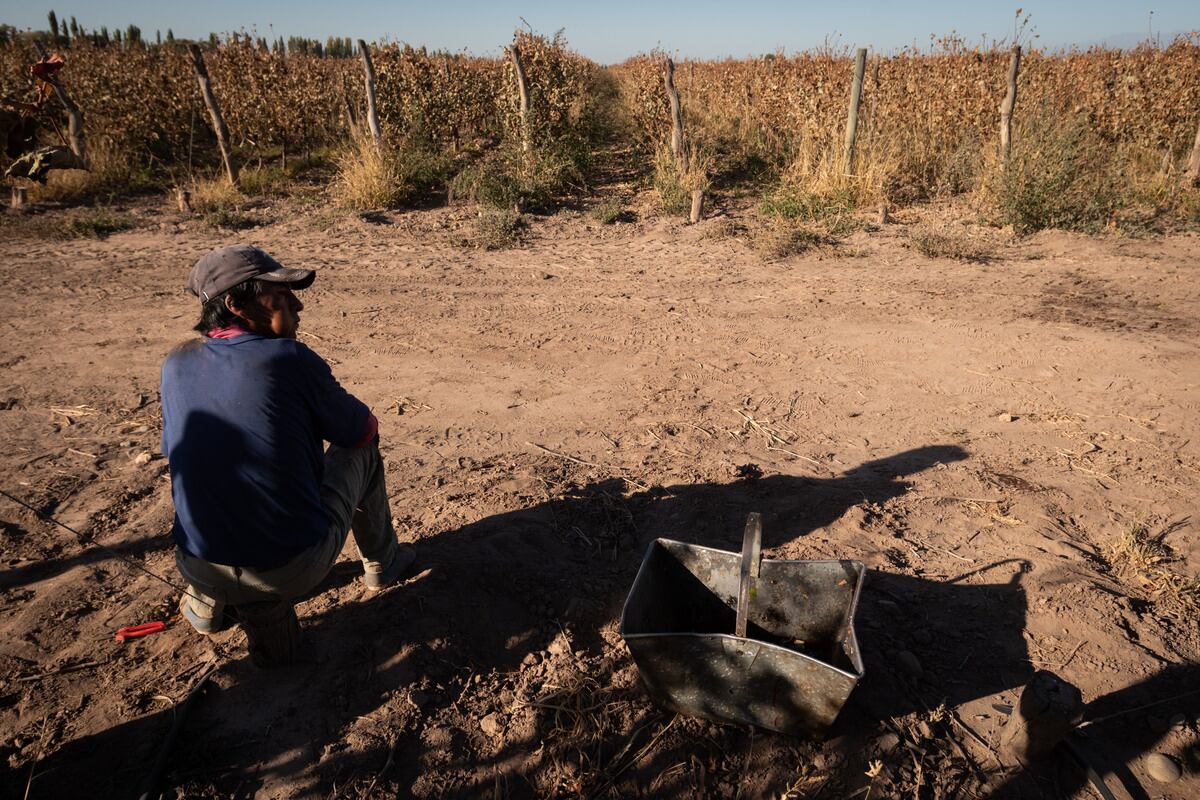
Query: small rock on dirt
column 1162, row 768
column 529, row 660
column 887, row 743
column 437, row 737
column 492, row 725
column 910, row 663
column 142, row 459
column 1005, row 417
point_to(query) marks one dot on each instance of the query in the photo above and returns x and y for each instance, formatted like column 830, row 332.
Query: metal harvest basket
column 730, row 636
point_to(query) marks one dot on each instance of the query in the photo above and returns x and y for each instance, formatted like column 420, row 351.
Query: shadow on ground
column 392, row 679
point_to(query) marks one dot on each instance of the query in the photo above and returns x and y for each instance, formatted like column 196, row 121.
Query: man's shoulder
column 183, row 352
column 269, row 353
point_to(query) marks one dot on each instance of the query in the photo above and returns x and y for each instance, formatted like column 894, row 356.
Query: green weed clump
column 513, row 177
column 230, row 219
column 1060, row 174
column 675, row 181
column 496, row 229
column 949, row 244
column 263, row 181
column 609, row 212
column 73, row 224
column 95, row 225
column 780, row 239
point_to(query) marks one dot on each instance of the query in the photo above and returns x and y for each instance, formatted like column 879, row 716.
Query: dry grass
column 370, row 176
column 586, row 718
column 367, row 176
column 110, row 172
column 956, row 245
column 1144, row 558
column 262, row 181
column 610, row 212
column 97, row 223
column 211, row 195
column 495, row 229
column 818, row 168
column 775, row 240
column 675, row 185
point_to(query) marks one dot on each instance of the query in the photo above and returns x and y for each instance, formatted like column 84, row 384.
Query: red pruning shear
column 138, row 631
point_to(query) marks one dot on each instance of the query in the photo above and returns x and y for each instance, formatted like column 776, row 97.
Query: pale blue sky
column 611, row 30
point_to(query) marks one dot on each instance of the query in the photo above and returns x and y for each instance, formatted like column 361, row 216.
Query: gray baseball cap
column 224, row 268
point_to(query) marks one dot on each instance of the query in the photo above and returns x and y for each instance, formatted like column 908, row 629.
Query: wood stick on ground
column 36, row 757
column 566, row 457
column 1138, row 708
column 638, row 757
column 812, row 461
column 386, row 766
column 950, row 553
column 967, row 499
column 768, row 434
column 150, row 788
column 62, row 670
column 975, row 768
column 574, row 460
column 1072, row 654
column 971, row 732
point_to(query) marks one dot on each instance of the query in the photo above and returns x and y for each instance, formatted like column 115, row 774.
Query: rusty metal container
column 798, row 661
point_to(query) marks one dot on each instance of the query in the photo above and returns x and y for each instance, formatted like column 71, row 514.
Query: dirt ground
column 978, row 434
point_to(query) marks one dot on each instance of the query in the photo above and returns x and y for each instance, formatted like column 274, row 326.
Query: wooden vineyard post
column 514, row 53
column 676, row 118
column 697, row 206
column 184, row 198
column 860, row 66
column 1193, row 167
column 1010, row 103
column 1046, row 711
column 351, row 117
column 372, row 102
column 214, row 111
column 20, row 196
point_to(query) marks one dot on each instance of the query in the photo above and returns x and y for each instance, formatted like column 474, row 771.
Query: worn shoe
column 206, row 620
column 377, row 578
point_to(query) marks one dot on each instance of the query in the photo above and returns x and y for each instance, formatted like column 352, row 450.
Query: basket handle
column 751, row 558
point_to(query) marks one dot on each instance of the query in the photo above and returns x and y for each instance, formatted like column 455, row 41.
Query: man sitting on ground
column 261, row 509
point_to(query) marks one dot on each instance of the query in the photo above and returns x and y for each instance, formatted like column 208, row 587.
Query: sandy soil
column 976, row 433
